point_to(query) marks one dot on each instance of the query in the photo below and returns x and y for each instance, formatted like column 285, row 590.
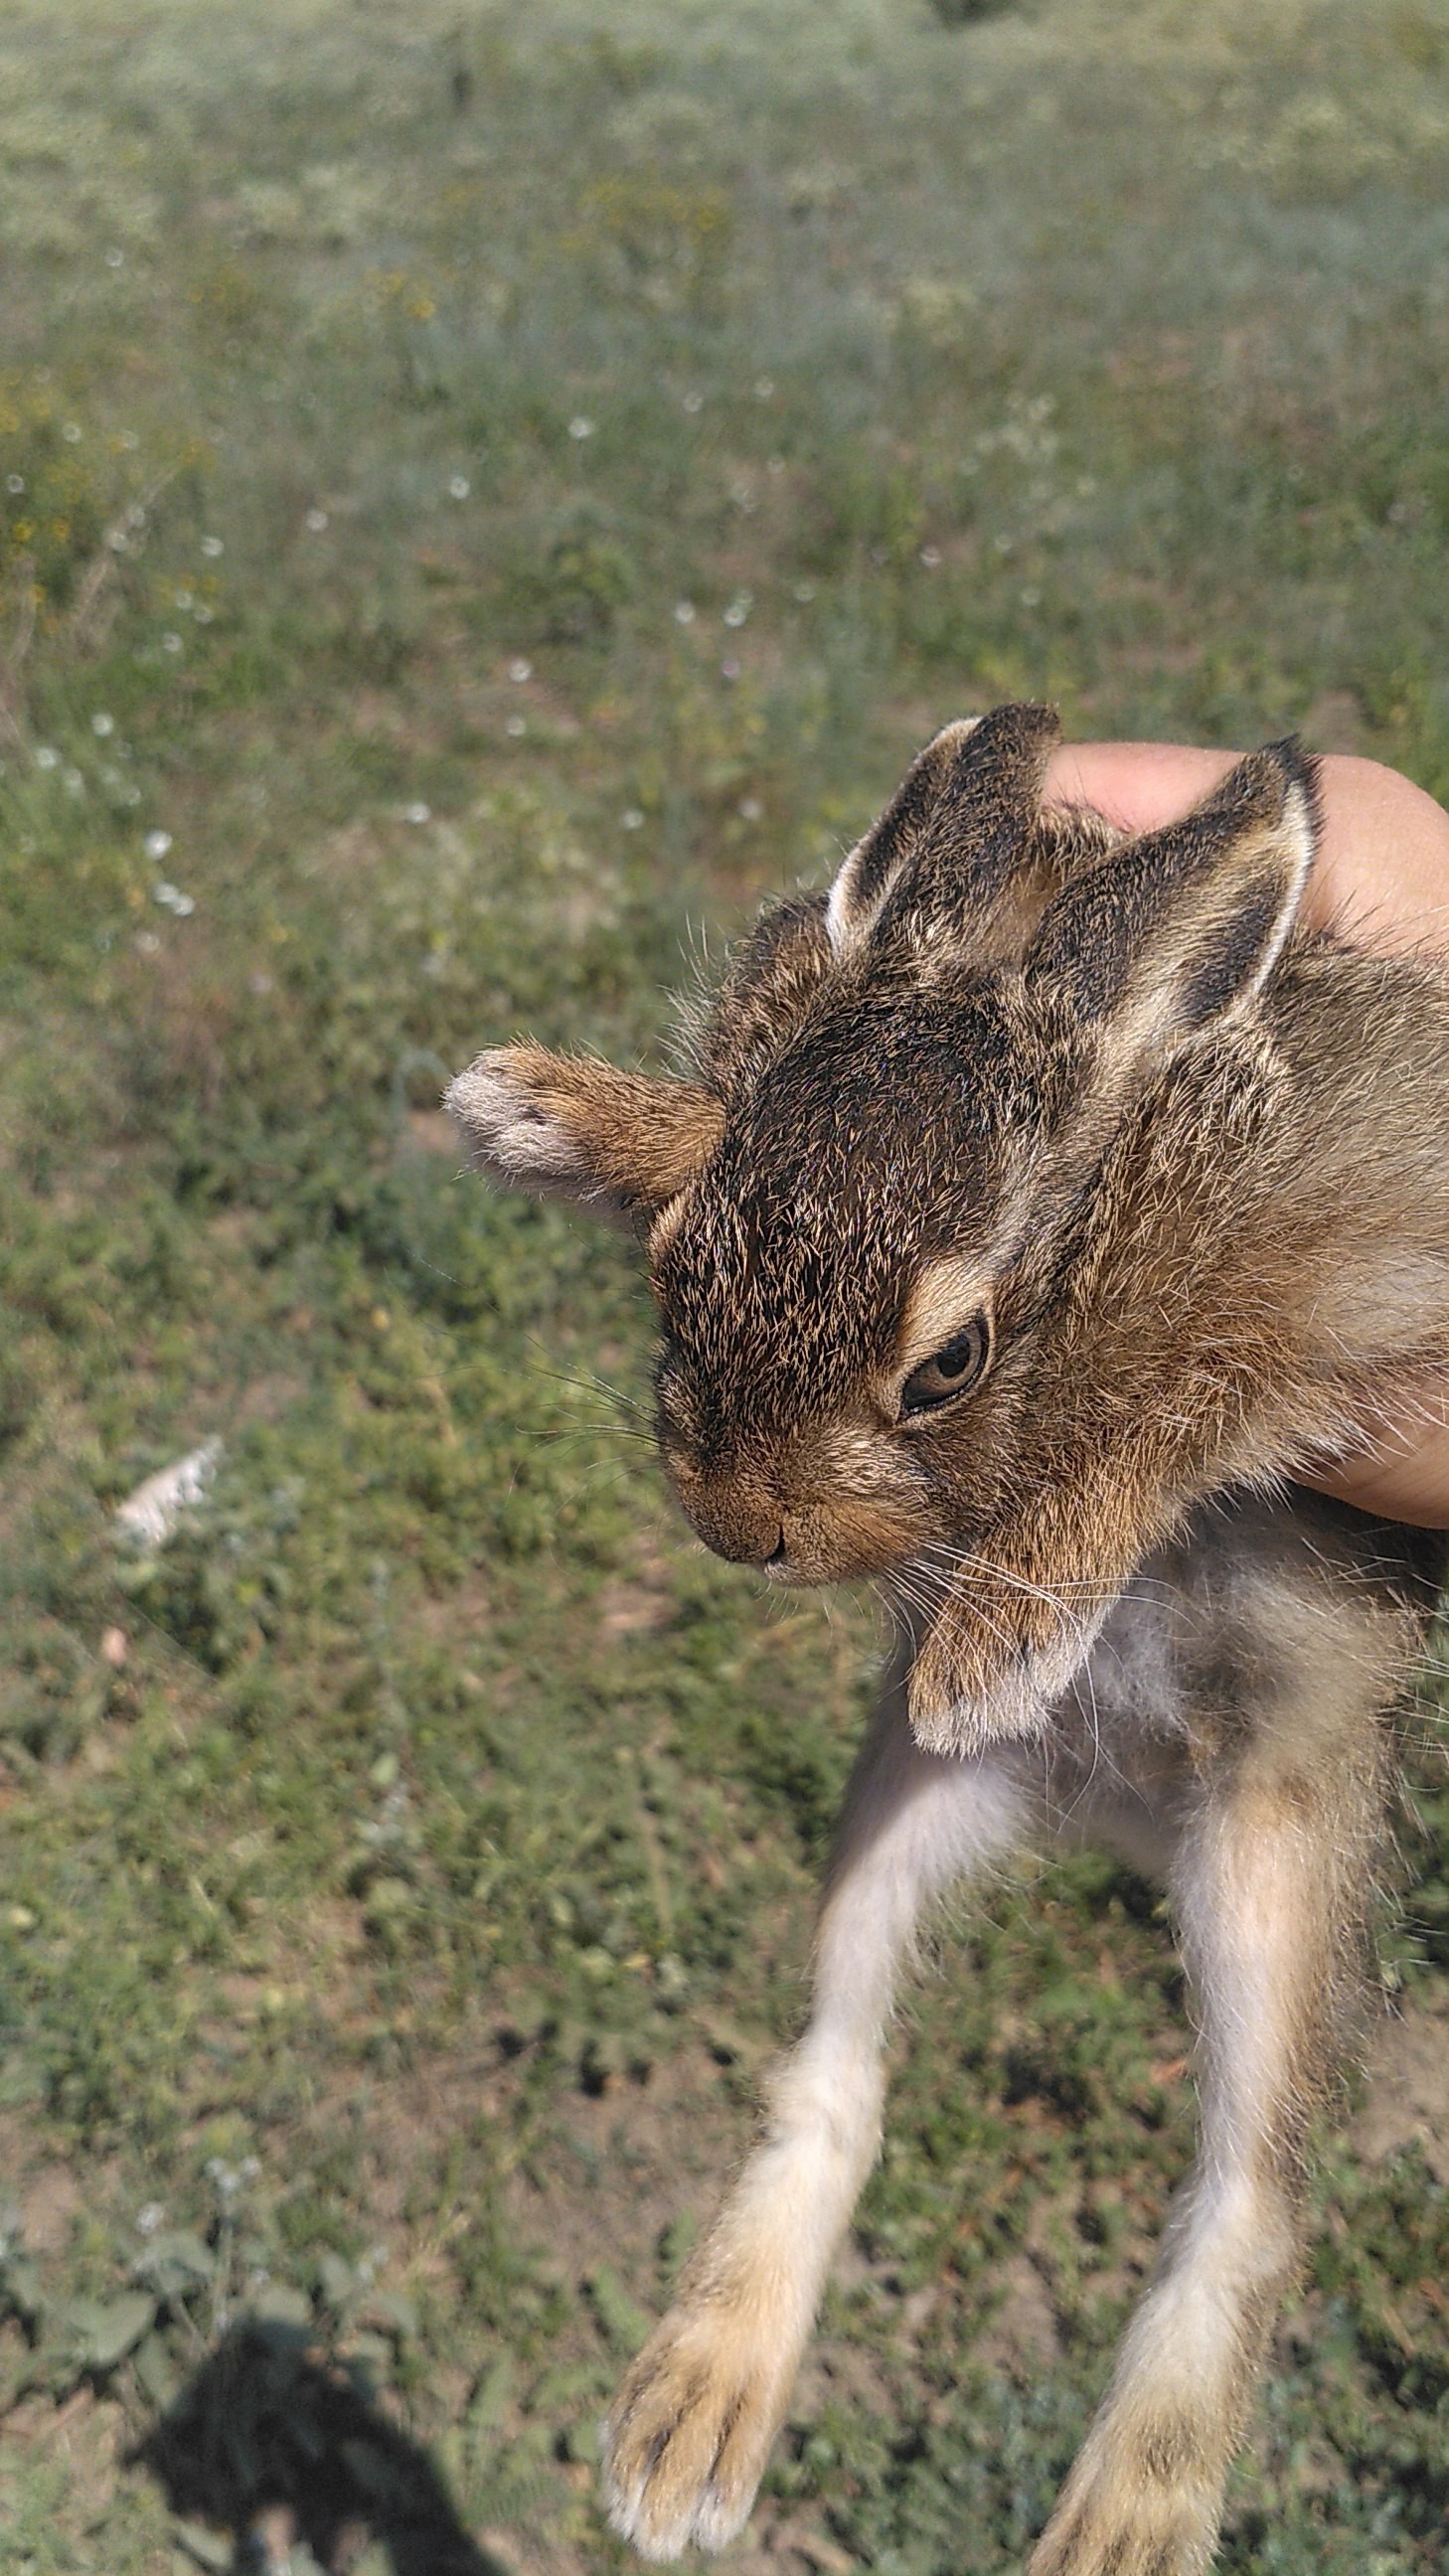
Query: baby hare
column 1040, row 1196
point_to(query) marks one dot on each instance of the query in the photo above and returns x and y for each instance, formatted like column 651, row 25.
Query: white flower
column 14, row 482
column 736, row 613
column 520, row 670
column 148, row 943
column 71, row 431
column 729, row 669
column 751, row 810
column 45, row 758
column 417, row 813
column 694, row 402
column 183, row 904
column 157, row 844
column 316, row 521
column 804, row 592
column 170, row 643
column 684, row 613
column 460, row 487
column 103, row 724
column 203, row 614
column 115, row 259
column 764, row 387
column 516, row 725
column 930, row 557
column 580, row 426
column 212, row 546
column 185, row 599
column 166, row 893
column 632, row 818
column 149, row 2218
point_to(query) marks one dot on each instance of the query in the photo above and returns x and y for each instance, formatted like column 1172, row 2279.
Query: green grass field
column 485, row 495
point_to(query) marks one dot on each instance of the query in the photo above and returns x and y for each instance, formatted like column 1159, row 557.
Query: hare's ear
column 569, row 1127
column 1186, row 923
column 951, row 837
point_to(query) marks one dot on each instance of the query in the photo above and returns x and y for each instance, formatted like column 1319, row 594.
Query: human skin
column 1381, row 878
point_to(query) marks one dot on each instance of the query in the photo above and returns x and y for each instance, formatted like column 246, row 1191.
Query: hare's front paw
column 690, row 2430
column 992, row 1665
column 961, row 1699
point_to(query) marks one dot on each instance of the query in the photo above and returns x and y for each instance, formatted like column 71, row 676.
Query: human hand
column 1381, row 878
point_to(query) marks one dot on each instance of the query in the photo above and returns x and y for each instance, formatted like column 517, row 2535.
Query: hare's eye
column 948, row 1371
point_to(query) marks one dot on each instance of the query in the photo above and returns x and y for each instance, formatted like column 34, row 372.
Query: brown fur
column 1186, row 1162
column 1196, row 1152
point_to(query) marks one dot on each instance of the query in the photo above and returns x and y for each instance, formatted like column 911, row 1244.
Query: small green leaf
column 100, row 2332
column 393, row 2310
column 625, row 2325
column 337, row 2283
column 368, row 2360
column 204, row 2547
column 176, row 2262
column 279, row 2304
column 20, row 2290
column 492, row 2395
column 156, row 2375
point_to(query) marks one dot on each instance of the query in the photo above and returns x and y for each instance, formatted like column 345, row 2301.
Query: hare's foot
column 686, row 2442
column 1143, row 2501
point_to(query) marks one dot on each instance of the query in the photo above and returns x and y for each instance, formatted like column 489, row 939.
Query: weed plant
column 484, row 496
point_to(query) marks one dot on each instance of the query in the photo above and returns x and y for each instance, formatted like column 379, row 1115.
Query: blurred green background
column 486, row 494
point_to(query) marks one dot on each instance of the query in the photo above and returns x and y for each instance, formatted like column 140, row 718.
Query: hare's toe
column 1104, row 2531
column 690, row 2431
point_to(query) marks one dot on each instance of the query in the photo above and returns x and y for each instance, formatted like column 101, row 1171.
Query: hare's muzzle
column 744, row 1525
column 794, row 1538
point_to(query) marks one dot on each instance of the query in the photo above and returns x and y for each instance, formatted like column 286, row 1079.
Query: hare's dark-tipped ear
column 951, row 838
column 1187, row 923
column 568, row 1127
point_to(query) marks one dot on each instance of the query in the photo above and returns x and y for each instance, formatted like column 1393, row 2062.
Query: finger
column 1137, row 785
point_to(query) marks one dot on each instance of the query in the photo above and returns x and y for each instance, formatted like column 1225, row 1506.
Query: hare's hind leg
column 691, row 2428
column 1271, row 1881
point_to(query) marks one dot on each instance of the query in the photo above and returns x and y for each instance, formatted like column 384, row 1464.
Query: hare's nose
column 752, row 1549
column 746, row 1528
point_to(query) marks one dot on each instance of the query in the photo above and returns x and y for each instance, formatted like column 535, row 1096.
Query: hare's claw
column 689, row 2433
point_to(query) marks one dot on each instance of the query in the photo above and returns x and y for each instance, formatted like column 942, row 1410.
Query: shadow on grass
column 266, row 2439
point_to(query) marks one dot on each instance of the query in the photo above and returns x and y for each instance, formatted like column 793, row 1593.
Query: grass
column 483, row 498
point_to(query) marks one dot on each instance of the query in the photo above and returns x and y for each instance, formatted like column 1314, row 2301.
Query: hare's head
column 861, row 1215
